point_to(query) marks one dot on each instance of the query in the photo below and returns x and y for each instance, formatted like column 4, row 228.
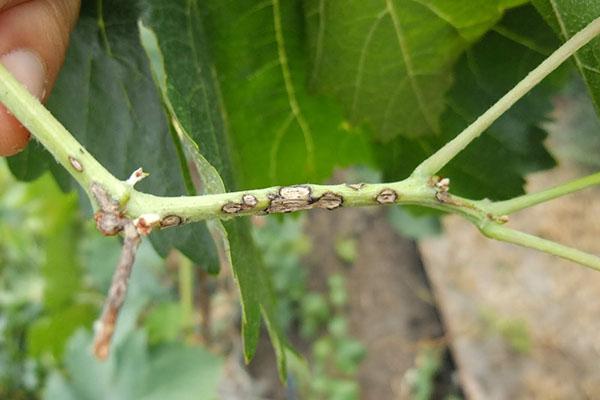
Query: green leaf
column 32, row 162
column 164, row 322
column 174, row 371
column 389, row 62
column 168, row 30
column 494, row 165
column 62, row 271
column 49, row 334
column 280, row 134
column 567, row 17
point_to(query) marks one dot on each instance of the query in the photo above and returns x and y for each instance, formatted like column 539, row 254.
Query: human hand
column 34, row 35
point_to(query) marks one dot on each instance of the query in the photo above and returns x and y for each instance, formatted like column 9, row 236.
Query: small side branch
column 105, row 326
column 110, row 221
column 513, row 236
column 438, row 160
column 532, row 199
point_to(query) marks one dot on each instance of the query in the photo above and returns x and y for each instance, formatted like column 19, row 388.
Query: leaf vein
column 289, row 86
column 409, row 67
column 363, row 57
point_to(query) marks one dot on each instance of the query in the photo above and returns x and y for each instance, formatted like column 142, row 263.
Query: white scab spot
column 443, row 185
column 249, row 200
column 136, row 176
column 291, row 198
column 75, row 164
column 295, row 193
column 386, row 196
column 231, row 208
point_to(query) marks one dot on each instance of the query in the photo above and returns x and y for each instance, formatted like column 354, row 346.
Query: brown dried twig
column 111, row 221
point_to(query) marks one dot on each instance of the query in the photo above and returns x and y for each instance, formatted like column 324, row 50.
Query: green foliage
column 576, row 132
column 346, row 249
column 42, row 286
column 164, row 322
column 421, row 378
column 37, row 319
column 171, row 371
column 335, row 356
column 106, row 96
column 390, row 62
column 281, row 134
column 201, row 127
column 513, row 330
column 567, row 17
column 483, row 75
column 282, row 243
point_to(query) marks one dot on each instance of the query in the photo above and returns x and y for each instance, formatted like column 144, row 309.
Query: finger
column 33, row 41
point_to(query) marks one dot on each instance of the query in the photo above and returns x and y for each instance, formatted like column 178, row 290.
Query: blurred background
column 379, row 303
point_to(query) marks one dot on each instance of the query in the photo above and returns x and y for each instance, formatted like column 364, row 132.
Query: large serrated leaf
column 494, row 165
column 191, row 93
column 106, row 98
column 389, row 62
column 567, row 17
column 280, row 134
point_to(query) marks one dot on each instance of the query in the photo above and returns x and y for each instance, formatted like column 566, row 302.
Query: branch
column 105, row 326
column 509, row 235
column 444, row 155
column 110, row 221
column 531, row 199
column 67, row 151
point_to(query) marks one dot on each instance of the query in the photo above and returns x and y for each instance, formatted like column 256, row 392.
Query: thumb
column 33, row 40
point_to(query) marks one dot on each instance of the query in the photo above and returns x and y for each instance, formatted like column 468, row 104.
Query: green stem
column 275, row 199
column 508, row 235
column 55, row 138
column 438, row 160
column 528, row 200
column 146, row 209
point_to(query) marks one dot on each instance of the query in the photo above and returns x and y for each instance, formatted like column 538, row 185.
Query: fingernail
column 26, row 66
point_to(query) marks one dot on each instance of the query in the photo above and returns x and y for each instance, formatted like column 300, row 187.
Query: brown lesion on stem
column 499, row 219
column 248, row 202
column 442, row 194
column 170, row 220
column 442, row 191
column 387, row 196
column 286, row 199
column 110, row 220
column 299, row 197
